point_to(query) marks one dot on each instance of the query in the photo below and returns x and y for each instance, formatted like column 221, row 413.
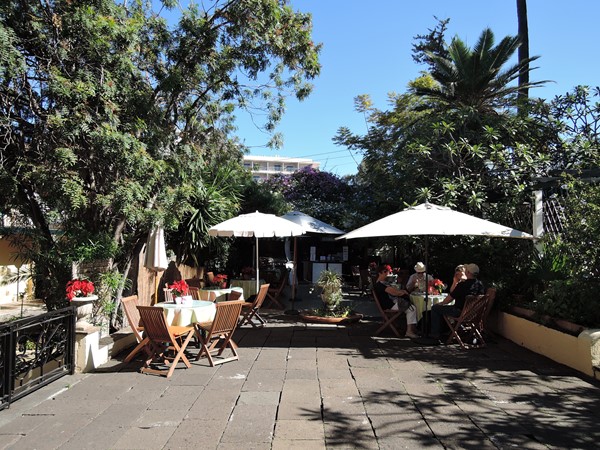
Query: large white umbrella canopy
column 311, row 225
column 257, row 225
column 156, row 254
column 430, row 220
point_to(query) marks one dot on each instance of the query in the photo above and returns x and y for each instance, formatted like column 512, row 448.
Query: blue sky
column 367, row 50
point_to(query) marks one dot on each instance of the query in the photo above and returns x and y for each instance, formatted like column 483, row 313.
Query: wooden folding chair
column 491, row 294
column 133, row 317
column 250, row 310
column 274, row 292
column 466, row 329
column 389, row 316
column 217, row 336
column 194, row 292
column 163, row 339
column 207, row 295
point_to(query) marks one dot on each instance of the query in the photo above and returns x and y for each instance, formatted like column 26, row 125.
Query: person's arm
column 448, row 299
column 458, row 277
column 410, row 284
column 395, row 292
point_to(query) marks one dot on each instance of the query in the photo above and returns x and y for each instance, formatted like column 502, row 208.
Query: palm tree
column 473, row 78
column 524, row 48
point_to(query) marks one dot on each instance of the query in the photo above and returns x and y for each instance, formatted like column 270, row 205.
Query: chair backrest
column 260, row 297
column 276, row 290
column 226, row 317
column 474, row 309
column 133, row 316
column 168, row 295
column 236, row 295
column 154, row 323
column 207, row 295
column 491, row 294
column 194, row 292
column 379, row 307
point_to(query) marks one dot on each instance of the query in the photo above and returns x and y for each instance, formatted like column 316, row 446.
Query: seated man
column 470, row 286
column 391, row 298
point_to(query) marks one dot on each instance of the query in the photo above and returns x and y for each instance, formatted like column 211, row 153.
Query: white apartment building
column 262, row 167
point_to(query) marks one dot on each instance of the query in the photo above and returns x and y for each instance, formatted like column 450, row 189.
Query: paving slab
column 315, row 387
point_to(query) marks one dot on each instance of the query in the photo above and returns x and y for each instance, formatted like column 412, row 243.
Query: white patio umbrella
column 428, row 219
column 156, row 254
column 310, row 225
column 257, row 225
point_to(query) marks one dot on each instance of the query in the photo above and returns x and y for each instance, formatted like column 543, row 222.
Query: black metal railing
column 34, row 352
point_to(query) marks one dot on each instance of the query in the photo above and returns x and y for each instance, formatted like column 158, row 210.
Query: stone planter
column 307, row 317
column 85, row 307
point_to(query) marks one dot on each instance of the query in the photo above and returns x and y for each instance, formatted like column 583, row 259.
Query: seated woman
column 459, row 276
column 416, row 281
column 392, row 298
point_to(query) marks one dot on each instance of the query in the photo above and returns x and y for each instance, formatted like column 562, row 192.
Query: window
column 277, row 167
column 290, row 168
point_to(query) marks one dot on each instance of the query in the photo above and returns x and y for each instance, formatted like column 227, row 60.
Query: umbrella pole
column 426, row 334
column 155, row 300
column 425, row 339
column 293, row 311
column 257, row 268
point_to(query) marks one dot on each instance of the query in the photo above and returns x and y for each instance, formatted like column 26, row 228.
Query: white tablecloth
column 249, row 286
column 221, row 293
column 183, row 315
column 419, row 301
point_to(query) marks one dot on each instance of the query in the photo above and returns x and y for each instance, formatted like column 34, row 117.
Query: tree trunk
column 523, row 49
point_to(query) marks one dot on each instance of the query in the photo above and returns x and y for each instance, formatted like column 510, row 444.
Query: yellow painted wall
column 581, row 352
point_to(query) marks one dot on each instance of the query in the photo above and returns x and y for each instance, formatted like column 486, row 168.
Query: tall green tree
column 477, row 78
column 113, row 119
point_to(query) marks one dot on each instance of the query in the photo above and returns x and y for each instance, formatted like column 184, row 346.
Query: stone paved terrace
column 316, row 387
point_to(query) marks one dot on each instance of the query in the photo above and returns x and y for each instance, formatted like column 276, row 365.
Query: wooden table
column 188, row 314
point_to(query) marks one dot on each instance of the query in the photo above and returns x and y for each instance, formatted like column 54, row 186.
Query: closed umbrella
column 257, row 225
column 156, row 254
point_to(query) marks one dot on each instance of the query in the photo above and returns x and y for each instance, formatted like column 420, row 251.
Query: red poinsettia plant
column 219, row 279
column 79, row 288
column 179, row 288
column 436, row 286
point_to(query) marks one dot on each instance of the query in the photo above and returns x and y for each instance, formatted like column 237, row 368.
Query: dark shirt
column 467, row 287
column 384, row 298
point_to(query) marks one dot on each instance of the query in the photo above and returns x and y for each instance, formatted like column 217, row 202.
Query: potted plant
column 330, row 284
column 80, row 293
